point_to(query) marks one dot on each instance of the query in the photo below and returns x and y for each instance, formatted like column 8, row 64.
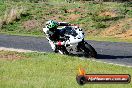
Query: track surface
column 119, row 53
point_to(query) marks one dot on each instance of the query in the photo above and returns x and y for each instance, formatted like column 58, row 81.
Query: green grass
column 49, row 70
column 108, row 38
column 46, row 10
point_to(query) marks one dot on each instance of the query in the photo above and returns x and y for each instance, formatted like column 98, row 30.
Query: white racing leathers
column 47, row 32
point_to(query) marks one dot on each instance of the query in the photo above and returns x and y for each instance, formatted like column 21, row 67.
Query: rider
column 53, row 34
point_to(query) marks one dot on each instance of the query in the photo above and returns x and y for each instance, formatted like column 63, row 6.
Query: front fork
column 62, row 49
column 80, row 44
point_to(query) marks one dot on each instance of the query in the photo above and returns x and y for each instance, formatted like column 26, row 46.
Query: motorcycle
column 75, row 43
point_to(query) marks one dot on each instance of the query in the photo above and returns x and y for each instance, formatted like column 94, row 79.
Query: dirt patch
column 72, row 14
column 58, row 18
column 13, row 49
column 8, row 55
column 73, row 17
column 126, row 35
column 118, row 29
column 108, row 13
column 91, row 32
column 30, row 24
column 74, row 10
column 113, row 30
column 71, row 10
column 67, row 18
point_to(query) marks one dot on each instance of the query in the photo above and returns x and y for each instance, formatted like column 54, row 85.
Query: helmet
column 51, row 24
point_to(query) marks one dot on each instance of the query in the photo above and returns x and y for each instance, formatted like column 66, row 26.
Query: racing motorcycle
column 75, row 43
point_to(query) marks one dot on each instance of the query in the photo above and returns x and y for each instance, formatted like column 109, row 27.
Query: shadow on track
column 100, row 56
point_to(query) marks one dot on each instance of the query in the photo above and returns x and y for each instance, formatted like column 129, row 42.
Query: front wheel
column 88, row 50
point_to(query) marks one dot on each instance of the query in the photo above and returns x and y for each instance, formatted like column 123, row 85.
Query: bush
column 100, row 25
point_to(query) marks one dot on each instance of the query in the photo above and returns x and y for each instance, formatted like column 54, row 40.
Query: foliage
column 14, row 14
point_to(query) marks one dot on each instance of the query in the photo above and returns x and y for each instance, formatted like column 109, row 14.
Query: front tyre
column 88, row 50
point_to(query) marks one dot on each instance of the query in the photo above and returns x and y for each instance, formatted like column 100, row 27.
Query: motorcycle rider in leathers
column 53, row 34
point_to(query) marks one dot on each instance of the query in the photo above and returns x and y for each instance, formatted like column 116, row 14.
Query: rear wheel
column 88, row 50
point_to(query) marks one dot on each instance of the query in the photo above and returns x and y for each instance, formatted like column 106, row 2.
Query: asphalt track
column 111, row 52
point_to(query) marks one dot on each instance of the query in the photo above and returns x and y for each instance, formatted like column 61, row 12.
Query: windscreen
column 70, row 31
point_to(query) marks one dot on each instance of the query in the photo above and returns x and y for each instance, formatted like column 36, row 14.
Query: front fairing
column 75, row 34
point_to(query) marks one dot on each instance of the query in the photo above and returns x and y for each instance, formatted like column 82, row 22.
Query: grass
column 48, row 10
column 49, row 70
column 108, row 38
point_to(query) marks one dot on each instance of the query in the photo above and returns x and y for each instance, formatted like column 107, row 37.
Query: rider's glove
column 75, row 25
